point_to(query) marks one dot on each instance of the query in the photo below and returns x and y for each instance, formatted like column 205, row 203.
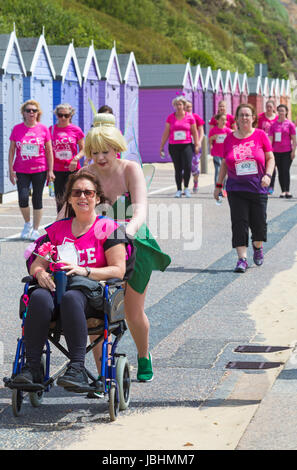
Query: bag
column 93, row 290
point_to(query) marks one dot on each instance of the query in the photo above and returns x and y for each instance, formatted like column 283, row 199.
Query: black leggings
column 181, row 155
column 74, row 325
column 283, row 162
column 248, row 210
column 24, row 181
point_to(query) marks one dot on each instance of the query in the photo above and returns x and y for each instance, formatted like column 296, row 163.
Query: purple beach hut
column 228, row 89
column 198, row 93
column 219, row 88
column 159, row 85
column 208, row 96
column 236, row 92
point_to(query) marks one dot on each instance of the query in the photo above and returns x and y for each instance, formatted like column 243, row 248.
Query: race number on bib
column 246, row 167
column 30, row 150
column 277, row 136
column 179, row 135
column 63, row 154
column 221, row 138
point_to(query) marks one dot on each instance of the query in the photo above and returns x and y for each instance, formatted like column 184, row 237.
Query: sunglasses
column 89, row 193
column 60, row 115
column 31, row 111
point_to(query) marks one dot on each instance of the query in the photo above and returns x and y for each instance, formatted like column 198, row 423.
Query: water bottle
column 219, row 200
column 51, row 189
column 162, row 154
column 60, row 279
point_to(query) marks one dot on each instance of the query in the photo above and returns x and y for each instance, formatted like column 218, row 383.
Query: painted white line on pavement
column 161, row 190
column 20, row 215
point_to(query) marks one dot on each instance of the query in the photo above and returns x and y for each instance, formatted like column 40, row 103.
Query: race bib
column 246, row 167
column 277, row 137
column 220, row 138
column 179, row 135
column 30, row 150
column 64, row 154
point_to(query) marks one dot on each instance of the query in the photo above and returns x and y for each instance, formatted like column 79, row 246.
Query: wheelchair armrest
column 114, row 282
column 29, row 279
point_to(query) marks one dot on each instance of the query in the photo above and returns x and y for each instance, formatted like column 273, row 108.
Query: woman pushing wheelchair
column 93, row 247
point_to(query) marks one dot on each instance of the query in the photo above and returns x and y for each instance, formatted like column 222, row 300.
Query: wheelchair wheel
column 36, row 398
column 113, row 403
column 124, row 382
column 16, row 401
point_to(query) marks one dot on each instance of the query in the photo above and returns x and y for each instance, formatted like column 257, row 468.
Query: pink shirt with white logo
column 265, row 123
column 246, row 162
column 30, row 151
column 217, row 149
column 92, row 245
column 229, row 123
column 281, row 133
column 65, row 141
column 180, row 129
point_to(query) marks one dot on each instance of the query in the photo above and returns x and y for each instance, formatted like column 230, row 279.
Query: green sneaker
column 145, row 369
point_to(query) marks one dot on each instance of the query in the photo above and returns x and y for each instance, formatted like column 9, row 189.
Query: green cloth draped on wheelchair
column 149, row 256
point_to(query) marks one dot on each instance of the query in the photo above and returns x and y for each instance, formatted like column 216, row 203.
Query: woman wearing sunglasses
column 30, row 163
column 68, row 147
column 99, row 253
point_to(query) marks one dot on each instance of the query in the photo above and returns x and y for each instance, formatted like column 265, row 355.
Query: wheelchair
column 115, row 371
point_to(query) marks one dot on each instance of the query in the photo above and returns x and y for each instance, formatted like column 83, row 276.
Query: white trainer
column 26, row 231
column 187, row 192
column 178, row 193
column 34, row 235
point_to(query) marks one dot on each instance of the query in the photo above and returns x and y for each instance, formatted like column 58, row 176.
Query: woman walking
column 265, row 121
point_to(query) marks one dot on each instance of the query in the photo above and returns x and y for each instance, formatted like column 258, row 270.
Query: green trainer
column 145, row 369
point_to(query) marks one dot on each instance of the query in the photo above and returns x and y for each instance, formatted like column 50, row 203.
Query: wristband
column 267, row 174
column 218, row 185
column 37, row 271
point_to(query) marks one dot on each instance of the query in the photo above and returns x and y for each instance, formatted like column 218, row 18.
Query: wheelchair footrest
column 22, row 386
column 97, row 386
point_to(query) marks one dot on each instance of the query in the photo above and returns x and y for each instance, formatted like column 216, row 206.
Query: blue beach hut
column 40, row 73
column 67, row 83
column 89, row 90
column 111, row 79
column 12, row 71
column 129, row 95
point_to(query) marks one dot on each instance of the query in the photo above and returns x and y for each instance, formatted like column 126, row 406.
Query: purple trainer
column 258, row 256
column 241, row 266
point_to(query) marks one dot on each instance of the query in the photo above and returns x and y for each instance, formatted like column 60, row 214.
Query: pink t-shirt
column 30, row 152
column 281, row 133
column 92, row 245
column 229, row 123
column 65, row 141
column 217, row 148
column 264, row 123
column 245, row 159
column 180, row 129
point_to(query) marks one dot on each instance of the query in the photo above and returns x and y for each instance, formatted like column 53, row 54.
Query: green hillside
column 227, row 34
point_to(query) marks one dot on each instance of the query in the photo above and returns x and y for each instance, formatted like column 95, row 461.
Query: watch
column 267, row 174
column 88, row 270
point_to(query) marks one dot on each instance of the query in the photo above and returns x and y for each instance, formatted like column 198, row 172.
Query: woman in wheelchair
column 99, row 254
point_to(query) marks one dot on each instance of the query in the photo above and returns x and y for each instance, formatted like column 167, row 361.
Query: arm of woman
column 194, row 133
column 165, row 136
column 76, row 158
column 11, row 152
column 38, row 270
column 136, row 185
column 50, row 160
column 115, row 268
column 200, row 134
column 293, row 142
column 269, row 168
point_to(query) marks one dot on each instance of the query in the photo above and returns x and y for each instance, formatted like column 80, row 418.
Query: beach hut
column 255, row 97
column 12, row 71
column 219, row 87
column 40, row 73
column 283, row 91
column 228, row 89
column 129, row 96
column 111, row 79
column 160, row 84
column 236, row 91
column 89, row 90
column 244, row 87
column 198, row 92
column 67, row 83
column 288, row 95
column 208, row 96
column 266, row 91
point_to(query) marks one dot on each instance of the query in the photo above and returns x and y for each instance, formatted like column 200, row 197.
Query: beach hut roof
column 164, row 75
column 218, row 80
column 61, row 57
column 255, row 85
column 85, row 55
column 227, row 80
column 197, row 74
column 235, row 80
column 31, row 48
column 105, row 58
column 126, row 62
column 207, row 74
column 7, row 43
